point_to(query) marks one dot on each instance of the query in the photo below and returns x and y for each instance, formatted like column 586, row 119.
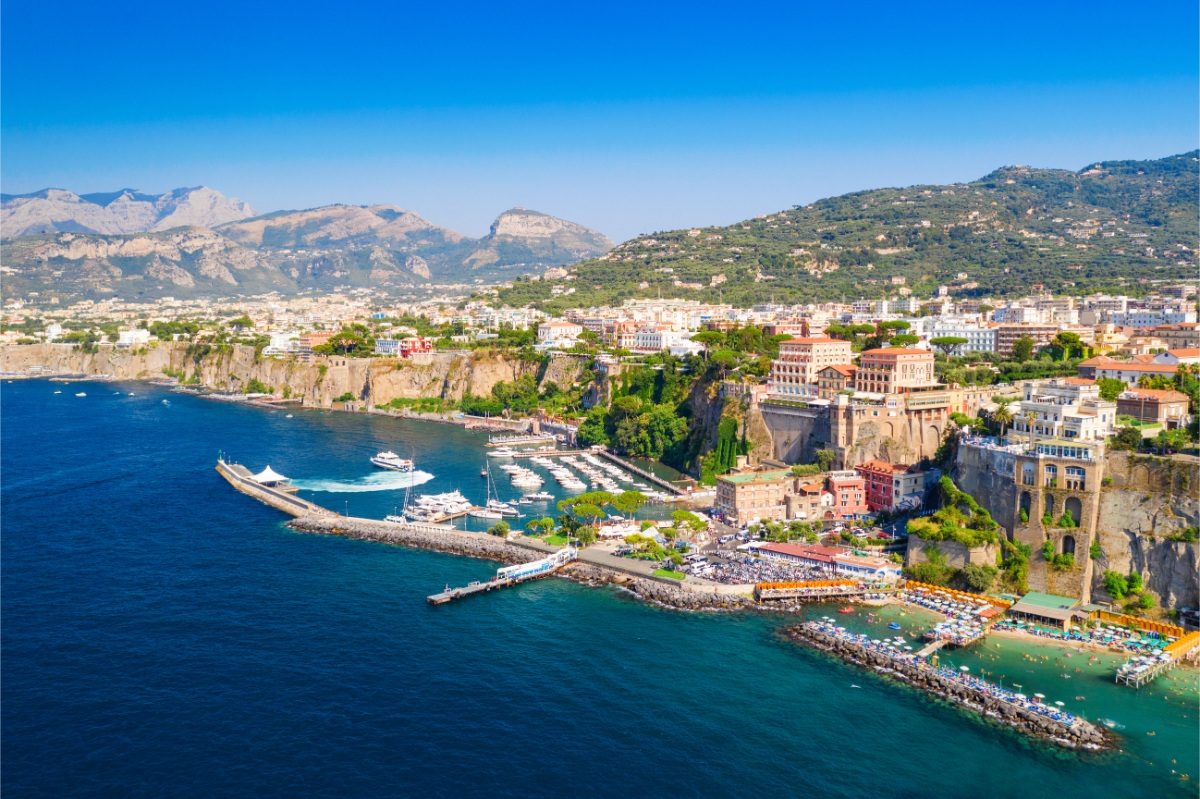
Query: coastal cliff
column 375, row 381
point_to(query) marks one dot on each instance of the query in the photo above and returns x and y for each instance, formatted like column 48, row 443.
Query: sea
column 164, row 635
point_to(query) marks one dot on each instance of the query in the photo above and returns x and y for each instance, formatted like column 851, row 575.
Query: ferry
column 390, row 460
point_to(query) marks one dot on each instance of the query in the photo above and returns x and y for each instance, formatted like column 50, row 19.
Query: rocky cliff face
column 1149, row 499
column 1143, row 500
column 343, row 225
column 124, row 211
column 376, row 381
column 527, row 237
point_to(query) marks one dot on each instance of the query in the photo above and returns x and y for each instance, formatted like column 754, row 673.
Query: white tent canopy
column 269, row 475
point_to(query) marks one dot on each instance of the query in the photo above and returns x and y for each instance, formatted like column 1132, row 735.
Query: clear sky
column 629, row 118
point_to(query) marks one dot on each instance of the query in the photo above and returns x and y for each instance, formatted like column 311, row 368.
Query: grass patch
column 672, row 575
column 556, row 539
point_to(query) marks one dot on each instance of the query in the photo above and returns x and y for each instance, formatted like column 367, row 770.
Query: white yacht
column 540, row 496
column 484, row 513
column 390, row 460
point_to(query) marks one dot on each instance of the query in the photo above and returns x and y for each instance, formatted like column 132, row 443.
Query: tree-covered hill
column 1119, row 226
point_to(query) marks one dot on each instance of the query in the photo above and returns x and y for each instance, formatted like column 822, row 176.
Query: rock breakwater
column 1067, row 731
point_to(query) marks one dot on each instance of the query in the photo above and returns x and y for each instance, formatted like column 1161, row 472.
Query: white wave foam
column 376, row 481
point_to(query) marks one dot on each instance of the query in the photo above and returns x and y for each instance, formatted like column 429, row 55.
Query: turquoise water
column 163, row 634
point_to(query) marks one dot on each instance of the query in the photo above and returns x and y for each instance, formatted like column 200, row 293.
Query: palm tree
column 1003, row 414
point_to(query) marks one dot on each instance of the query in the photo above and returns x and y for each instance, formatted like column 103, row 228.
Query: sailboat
column 494, row 503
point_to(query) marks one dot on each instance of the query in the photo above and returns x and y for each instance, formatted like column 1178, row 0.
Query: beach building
column 833, row 560
column 1048, row 609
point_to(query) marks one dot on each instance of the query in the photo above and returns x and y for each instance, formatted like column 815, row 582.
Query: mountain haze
column 383, row 247
column 123, row 211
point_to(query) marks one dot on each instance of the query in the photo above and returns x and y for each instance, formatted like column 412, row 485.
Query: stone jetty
column 439, row 538
column 1078, row 734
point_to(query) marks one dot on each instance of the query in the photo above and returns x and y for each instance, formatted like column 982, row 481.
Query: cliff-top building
column 894, row 370
column 794, row 372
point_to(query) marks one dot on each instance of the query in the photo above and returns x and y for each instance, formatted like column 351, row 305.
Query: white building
column 133, row 338
column 1152, row 317
column 979, row 339
column 1064, row 408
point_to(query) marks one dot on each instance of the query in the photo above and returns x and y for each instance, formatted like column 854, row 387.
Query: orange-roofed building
column 894, row 370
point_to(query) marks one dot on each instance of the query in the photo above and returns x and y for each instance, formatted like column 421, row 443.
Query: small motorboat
column 81, row 394
column 893, row 625
column 846, row 609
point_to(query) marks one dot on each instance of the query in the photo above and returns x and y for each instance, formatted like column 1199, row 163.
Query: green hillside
column 1113, row 226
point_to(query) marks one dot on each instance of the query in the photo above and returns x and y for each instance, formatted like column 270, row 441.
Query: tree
column 1129, row 438
column 978, row 578
column 243, row 321
column 825, row 458
column 499, row 529
column 628, row 502
column 1110, row 388
column 1115, row 585
column 947, row 344
column 1003, row 414
column 540, row 526
column 688, row 519
column 1065, row 346
column 1022, row 350
column 904, row 340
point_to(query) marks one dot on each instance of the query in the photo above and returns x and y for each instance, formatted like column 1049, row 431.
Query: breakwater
column 592, row 568
column 992, row 703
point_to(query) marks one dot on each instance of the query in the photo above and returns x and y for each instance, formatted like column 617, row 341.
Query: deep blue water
column 164, row 635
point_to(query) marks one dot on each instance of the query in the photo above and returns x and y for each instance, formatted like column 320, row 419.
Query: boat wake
column 377, row 481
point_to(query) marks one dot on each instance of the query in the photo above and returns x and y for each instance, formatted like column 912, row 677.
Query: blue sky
column 626, row 117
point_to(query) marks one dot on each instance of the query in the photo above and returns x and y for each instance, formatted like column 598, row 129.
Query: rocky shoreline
column 1081, row 735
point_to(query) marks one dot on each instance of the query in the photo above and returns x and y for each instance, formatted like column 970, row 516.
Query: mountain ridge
column 1113, row 225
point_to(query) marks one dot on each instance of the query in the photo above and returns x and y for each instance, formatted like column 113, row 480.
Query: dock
column 1136, row 672
column 510, row 575
column 239, row 477
column 931, row 647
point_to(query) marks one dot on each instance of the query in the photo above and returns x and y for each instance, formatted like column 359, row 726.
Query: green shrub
column 346, row 397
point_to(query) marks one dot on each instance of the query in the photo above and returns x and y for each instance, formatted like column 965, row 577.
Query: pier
column 239, row 477
column 510, row 575
column 640, row 472
column 1139, row 670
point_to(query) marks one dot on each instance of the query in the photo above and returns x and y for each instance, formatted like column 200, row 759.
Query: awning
column 269, row 475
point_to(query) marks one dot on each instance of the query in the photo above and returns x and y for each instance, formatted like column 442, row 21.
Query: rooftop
column 770, row 476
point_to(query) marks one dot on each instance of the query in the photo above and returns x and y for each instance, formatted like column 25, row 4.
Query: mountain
column 337, row 246
column 1116, row 225
column 341, row 226
column 124, row 211
column 523, row 237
